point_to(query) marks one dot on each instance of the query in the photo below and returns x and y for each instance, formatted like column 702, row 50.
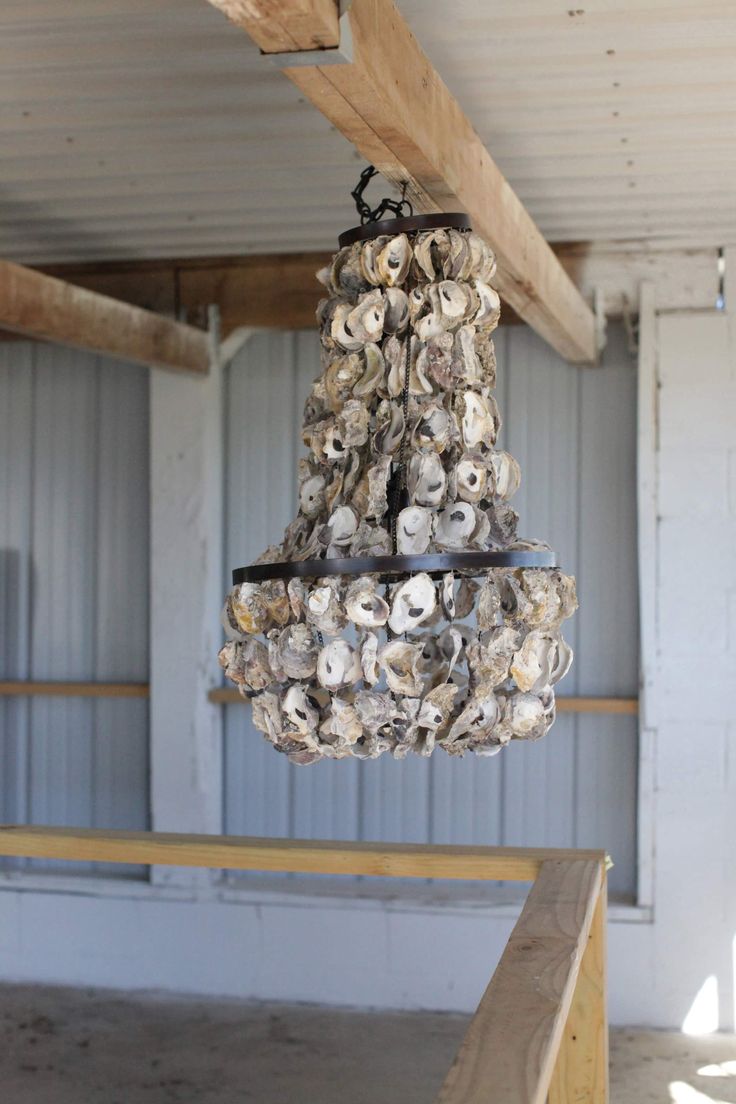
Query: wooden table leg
column 581, row 1071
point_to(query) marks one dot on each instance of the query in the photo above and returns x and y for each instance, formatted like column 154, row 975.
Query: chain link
column 398, row 207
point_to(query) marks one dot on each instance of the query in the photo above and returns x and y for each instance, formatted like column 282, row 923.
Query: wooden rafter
column 44, row 307
column 393, row 106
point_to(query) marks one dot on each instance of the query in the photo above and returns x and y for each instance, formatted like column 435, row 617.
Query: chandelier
column 401, row 612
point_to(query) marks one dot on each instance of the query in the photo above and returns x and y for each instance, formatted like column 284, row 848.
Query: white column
column 186, row 585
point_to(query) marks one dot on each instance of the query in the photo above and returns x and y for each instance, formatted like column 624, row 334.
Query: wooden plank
column 387, row 860
column 392, row 105
column 278, row 26
column 74, row 689
column 226, row 695
column 43, row 307
column 581, row 1071
column 509, row 1051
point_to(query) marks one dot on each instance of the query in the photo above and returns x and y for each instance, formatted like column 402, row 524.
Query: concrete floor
column 63, row 1046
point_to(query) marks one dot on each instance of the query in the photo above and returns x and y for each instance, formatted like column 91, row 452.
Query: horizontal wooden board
column 384, row 860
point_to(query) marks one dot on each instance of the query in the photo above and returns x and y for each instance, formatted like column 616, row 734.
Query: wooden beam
column 388, row 860
column 49, row 309
column 395, row 109
column 278, row 292
column 581, row 1072
column 509, row 1052
column 74, row 689
column 279, row 26
column 228, row 695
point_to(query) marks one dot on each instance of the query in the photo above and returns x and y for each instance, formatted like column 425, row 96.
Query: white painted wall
column 268, row 941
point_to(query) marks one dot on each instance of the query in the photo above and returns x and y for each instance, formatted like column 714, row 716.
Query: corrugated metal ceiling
column 150, row 128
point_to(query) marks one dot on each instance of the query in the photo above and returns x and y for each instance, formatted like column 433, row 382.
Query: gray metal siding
column 573, row 432
column 73, row 585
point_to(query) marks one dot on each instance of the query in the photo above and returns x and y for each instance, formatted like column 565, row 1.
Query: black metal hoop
column 455, row 221
column 436, row 563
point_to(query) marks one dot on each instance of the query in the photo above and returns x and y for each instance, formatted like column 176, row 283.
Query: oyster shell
column 447, row 596
column 478, row 718
column 531, row 666
column 396, row 312
column 489, row 659
column 436, row 707
column 453, row 303
column 426, row 480
column 393, row 261
column 300, row 712
column 465, row 363
column 489, row 604
column 341, row 728
column 312, row 495
column 346, row 274
column 338, row 665
column 480, row 420
column 249, row 609
column 489, row 310
column 342, row 524
column 364, row 323
column 324, row 609
column 390, row 423
column 435, row 360
column 267, row 716
column 276, row 601
column 369, row 659
column 376, row 710
column 353, row 422
column 229, row 621
column 505, row 474
column 455, row 526
column 297, row 651
column 413, row 602
column 364, row 606
column 341, row 376
column 373, row 373
column 340, row 331
column 413, row 531
column 369, row 259
column 230, row 658
column 470, row 479
column 400, row 663
column 525, row 717
column 297, row 591
column 435, row 428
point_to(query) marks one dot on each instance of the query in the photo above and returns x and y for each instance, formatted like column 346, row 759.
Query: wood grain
column 392, row 860
column 509, row 1052
column 44, row 307
column 581, row 1072
column 393, row 106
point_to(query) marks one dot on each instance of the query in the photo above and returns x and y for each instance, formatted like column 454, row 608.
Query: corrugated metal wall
column 74, row 506
column 573, row 431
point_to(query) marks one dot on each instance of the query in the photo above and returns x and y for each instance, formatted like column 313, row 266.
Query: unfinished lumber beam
column 19, row 689
column 280, row 26
column 387, row 860
column 49, row 309
column 509, row 1052
column 581, row 1071
column 393, row 106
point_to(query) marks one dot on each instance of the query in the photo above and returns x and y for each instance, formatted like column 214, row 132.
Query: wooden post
column 581, row 1072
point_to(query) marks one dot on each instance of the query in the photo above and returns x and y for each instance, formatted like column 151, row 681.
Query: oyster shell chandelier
column 401, row 612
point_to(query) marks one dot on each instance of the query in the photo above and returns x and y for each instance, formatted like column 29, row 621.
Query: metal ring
column 393, row 565
column 455, row 221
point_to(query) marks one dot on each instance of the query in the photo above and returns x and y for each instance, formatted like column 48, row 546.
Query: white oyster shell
column 364, row 605
column 400, row 663
column 413, row 602
column 426, row 480
column 338, row 665
column 413, row 531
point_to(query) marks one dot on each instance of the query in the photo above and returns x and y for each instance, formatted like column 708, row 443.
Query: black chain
column 399, row 476
column 397, row 207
